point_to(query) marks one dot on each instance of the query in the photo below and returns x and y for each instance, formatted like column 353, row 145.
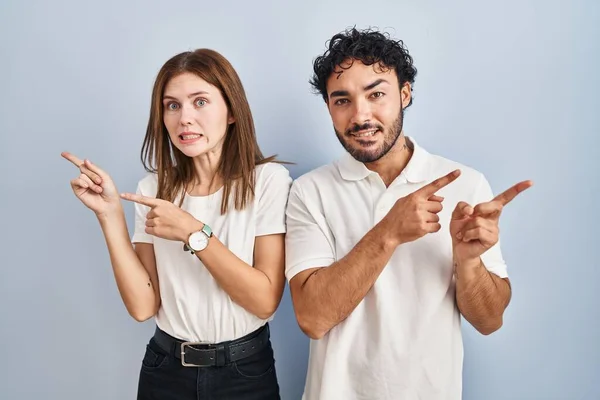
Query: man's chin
column 365, row 156
column 364, row 152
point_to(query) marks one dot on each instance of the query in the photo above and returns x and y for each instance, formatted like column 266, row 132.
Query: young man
column 389, row 245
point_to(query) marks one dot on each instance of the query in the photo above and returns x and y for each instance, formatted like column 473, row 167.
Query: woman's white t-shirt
column 193, row 305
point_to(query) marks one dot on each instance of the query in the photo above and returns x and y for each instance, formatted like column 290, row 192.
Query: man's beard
column 369, row 156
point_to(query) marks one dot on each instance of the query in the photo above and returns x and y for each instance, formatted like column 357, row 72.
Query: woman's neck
column 207, row 180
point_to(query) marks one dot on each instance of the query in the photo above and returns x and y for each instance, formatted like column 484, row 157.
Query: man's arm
column 481, row 295
column 323, row 297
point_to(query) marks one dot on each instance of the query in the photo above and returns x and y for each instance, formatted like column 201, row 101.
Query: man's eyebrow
column 343, row 93
column 339, row 93
column 374, row 84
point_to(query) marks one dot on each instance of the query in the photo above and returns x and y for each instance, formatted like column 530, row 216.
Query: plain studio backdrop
column 509, row 88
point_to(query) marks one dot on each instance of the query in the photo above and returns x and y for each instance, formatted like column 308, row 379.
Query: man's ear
column 406, row 94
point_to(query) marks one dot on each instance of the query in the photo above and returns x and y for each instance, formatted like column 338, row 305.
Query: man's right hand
column 415, row 215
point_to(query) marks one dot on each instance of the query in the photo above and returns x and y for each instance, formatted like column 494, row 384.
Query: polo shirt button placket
column 382, row 209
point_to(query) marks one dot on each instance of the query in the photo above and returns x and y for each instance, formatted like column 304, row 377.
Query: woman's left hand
column 165, row 220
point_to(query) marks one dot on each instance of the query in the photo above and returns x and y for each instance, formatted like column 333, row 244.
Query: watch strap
column 207, row 230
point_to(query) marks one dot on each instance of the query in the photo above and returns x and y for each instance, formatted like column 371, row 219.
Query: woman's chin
column 197, row 150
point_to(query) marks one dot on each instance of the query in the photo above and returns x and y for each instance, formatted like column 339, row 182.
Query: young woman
column 207, row 259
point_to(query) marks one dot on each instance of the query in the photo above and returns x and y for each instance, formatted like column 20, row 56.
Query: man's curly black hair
column 368, row 46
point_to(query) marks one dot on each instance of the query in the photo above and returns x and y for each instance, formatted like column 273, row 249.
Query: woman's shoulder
column 148, row 184
column 271, row 167
column 272, row 171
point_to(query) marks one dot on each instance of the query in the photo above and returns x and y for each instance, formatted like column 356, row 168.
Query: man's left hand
column 475, row 229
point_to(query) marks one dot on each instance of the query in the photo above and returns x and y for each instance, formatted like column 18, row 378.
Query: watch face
column 198, row 241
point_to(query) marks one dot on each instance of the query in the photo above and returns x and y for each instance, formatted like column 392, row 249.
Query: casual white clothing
column 193, row 306
column 403, row 341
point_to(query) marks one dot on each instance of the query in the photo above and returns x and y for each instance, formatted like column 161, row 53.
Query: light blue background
column 510, row 88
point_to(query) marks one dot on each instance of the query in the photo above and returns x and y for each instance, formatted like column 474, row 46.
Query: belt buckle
column 185, row 364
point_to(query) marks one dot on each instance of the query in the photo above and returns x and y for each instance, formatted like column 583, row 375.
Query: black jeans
column 163, row 377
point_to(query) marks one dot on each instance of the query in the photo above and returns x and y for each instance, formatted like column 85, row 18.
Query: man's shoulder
column 324, row 175
column 441, row 166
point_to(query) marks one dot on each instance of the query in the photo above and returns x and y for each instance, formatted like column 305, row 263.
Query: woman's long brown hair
column 241, row 153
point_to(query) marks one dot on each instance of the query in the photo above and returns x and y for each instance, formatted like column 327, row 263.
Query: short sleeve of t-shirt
column 307, row 244
column 272, row 190
column 146, row 187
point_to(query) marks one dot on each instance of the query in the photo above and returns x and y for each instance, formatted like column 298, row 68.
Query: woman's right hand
column 94, row 187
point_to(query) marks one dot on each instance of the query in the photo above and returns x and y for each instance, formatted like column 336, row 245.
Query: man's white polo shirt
column 403, row 341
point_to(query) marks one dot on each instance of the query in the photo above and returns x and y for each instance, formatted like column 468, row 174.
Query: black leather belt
column 193, row 354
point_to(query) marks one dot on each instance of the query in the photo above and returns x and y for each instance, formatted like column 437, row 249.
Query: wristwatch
column 198, row 240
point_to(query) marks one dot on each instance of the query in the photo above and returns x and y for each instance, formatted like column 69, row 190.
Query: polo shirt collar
column 416, row 171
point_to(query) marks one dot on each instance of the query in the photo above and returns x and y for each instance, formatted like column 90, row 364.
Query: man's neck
column 393, row 163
